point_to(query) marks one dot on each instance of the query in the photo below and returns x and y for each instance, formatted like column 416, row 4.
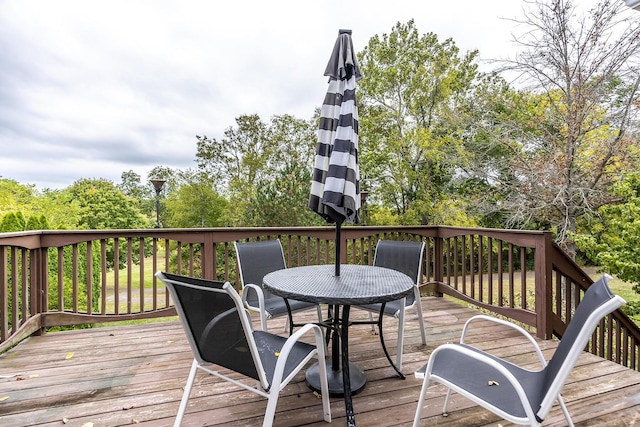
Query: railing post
column 4, row 294
column 543, row 270
column 343, row 248
column 438, row 261
column 38, row 280
column 208, row 257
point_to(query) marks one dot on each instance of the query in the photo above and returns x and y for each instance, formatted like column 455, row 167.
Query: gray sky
column 90, row 89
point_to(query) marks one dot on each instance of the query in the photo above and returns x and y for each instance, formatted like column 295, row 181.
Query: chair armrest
column 291, row 341
column 522, row 331
column 260, row 294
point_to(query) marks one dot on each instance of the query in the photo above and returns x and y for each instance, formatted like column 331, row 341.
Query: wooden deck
column 128, row 375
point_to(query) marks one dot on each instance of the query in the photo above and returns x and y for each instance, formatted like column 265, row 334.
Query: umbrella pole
column 338, row 233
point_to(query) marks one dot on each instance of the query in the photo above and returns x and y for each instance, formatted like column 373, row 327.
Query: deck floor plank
column 124, row 375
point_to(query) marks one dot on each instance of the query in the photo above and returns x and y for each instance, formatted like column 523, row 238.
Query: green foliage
column 410, row 145
column 103, row 206
column 13, row 221
column 283, row 201
column 262, row 168
column 611, row 238
column 142, row 195
column 631, row 308
column 195, row 203
column 555, row 149
column 15, row 196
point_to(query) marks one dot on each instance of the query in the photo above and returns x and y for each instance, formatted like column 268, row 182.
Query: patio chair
column 518, row 395
column 404, row 256
column 255, row 260
column 219, row 332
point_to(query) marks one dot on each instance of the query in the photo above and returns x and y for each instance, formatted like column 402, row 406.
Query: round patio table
column 356, row 285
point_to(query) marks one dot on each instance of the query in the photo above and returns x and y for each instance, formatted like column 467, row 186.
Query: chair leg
column 446, row 401
column 324, row 383
column 421, row 319
column 400, row 346
column 565, row 411
column 186, row 393
column 373, row 328
column 423, row 394
column 270, row 413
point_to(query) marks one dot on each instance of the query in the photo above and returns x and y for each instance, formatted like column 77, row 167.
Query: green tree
column 248, row 161
column 284, row 200
column 15, row 196
column 195, row 203
column 568, row 130
column 103, row 206
column 611, row 238
column 237, row 160
column 131, row 185
column 410, row 146
column 13, row 221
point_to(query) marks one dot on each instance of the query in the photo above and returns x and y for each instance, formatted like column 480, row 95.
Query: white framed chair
column 219, row 332
column 255, row 260
column 519, row 395
column 406, row 257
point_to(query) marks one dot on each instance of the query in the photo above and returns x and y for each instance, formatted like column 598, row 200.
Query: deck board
column 126, row 375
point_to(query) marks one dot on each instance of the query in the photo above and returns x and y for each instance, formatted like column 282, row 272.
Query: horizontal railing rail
column 73, row 277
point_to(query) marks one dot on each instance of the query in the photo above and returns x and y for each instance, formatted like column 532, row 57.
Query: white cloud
column 96, row 88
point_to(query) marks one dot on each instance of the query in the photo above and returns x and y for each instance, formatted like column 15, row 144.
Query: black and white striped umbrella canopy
column 335, row 186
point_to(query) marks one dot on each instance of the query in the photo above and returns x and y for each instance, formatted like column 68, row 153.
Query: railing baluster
column 456, row 261
column 141, row 277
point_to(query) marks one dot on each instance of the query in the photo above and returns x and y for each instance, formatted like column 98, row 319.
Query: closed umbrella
column 335, row 186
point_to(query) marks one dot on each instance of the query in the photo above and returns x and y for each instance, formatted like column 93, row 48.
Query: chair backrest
column 257, row 259
column 597, row 302
column 403, row 256
column 215, row 323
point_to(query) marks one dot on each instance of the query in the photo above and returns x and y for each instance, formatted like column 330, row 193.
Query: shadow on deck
column 126, row 375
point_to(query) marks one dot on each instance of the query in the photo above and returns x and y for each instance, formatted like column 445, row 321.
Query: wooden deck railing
column 60, row 278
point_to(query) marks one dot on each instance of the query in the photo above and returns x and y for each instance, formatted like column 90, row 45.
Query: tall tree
column 195, row 202
column 579, row 81
column 251, row 157
column 15, row 196
column 409, row 144
column 283, row 200
column 104, row 206
column 239, row 158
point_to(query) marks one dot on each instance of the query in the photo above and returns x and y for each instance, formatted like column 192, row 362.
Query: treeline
column 555, row 147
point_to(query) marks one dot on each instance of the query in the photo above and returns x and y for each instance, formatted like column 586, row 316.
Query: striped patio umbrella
column 335, row 186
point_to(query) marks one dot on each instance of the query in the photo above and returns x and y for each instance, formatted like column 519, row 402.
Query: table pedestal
column 334, row 377
column 318, row 284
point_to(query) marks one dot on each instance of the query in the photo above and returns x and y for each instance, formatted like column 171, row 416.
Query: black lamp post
column 363, row 205
column 157, row 184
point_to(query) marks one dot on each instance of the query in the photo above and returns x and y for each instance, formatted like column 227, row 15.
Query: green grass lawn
column 623, row 289
column 617, row 286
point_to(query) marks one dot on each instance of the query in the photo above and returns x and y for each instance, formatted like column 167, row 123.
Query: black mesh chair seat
column 270, row 346
column 276, row 306
column 390, row 309
column 474, row 375
column 519, row 395
column 220, row 335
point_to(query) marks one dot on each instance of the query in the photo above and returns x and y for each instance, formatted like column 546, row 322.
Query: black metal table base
column 334, row 377
column 378, row 284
